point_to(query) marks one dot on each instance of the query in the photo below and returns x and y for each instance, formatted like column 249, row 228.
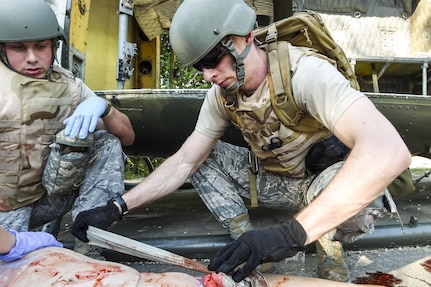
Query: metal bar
column 424, row 78
column 106, row 239
column 375, row 78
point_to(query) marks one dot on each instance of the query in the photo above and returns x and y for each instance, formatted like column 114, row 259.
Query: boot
column 91, row 251
column 330, row 260
column 236, row 227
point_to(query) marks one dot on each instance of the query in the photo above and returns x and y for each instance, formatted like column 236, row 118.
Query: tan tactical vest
column 32, row 111
column 279, row 147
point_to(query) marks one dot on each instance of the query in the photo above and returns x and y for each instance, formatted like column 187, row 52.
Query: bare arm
column 378, row 156
column 118, row 124
column 7, row 239
column 300, row 281
column 172, row 173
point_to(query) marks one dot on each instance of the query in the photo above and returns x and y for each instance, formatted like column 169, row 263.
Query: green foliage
column 138, row 167
column 181, row 77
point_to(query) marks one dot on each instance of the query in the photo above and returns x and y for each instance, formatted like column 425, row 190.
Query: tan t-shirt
column 318, row 88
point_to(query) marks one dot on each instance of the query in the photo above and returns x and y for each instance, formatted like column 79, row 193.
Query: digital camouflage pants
column 104, row 179
column 222, row 182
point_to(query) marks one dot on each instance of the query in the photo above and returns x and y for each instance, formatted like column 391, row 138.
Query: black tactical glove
column 101, row 217
column 258, row 246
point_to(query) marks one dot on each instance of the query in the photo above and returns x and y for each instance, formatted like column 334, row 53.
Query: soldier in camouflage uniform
column 339, row 201
column 40, row 99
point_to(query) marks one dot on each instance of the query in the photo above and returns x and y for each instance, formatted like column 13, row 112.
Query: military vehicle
column 114, row 46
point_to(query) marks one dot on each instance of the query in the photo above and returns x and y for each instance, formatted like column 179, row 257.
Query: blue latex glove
column 27, row 242
column 84, row 118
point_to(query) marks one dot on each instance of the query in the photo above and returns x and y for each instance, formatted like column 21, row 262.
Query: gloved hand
column 259, row 246
column 84, row 118
column 101, row 217
column 27, row 242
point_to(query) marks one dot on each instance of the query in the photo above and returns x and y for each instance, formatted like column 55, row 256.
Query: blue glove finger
column 73, row 126
column 88, row 125
column 83, row 129
column 68, row 126
column 84, row 118
column 27, row 242
column 93, row 124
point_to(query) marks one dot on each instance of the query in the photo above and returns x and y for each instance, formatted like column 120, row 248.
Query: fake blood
column 97, row 272
column 378, row 278
column 427, row 265
column 388, row 280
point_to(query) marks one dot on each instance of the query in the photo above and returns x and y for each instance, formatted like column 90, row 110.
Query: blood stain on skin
column 95, row 271
column 282, row 281
column 427, row 265
column 98, row 272
column 378, row 278
column 152, row 278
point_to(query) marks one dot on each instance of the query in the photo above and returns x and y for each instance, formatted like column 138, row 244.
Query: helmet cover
column 199, row 25
column 28, row 20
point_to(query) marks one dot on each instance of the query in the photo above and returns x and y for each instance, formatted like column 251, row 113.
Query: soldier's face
column 31, row 59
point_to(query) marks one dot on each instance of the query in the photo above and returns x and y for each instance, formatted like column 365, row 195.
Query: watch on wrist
column 107, row 110
column 122, row 203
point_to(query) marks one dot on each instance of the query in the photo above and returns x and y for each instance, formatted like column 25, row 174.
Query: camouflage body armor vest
column 280, row 147
column 32, row 111
column 279, row 133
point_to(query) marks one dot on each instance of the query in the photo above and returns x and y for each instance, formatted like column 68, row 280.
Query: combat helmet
column 28, row 20
column 198, row 26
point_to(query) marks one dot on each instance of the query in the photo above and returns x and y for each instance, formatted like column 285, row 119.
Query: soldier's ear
column 249, row 38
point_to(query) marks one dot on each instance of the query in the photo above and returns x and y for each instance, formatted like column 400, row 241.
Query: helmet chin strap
column 3, row 56
column 238, row 65
column 55, row 45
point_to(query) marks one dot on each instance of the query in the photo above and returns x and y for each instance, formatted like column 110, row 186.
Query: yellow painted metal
column 94, row 34
column 79, row 24
column 102, row 45
column 148, row 64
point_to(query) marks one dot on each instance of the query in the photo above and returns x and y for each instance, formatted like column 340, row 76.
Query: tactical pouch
column 332, row 150
column 325, row 153
column 66, row 165
column 402, row 185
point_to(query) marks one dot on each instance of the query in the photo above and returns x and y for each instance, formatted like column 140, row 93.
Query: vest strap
column 253, row 171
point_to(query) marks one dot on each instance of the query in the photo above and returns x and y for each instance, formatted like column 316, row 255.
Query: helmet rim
column 192, row 37
column 31, row 20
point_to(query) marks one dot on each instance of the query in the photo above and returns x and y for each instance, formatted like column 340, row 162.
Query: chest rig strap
column 252, row 173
